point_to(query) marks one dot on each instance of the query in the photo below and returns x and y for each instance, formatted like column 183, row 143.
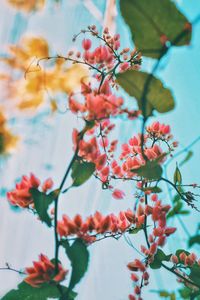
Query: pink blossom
column 118, row 194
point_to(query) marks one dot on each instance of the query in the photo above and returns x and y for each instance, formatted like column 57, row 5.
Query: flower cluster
column 108, row 55
column 98, row 100
column 95, row 147
column 90, row 229
column 156, row 238
column 134, row 154
column 97, row 106
column 21, row 195
column 185, row 259
column 162, row 132
column 158, row 213
column 138, row 266
column 44, row 271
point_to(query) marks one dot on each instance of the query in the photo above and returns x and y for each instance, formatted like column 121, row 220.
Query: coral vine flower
column 44, row 271
column 95, row 225
column 159, row 129
column 118, row 194
column 86, row 44
column 21, row 196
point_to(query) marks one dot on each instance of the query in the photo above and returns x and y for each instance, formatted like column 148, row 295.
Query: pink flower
column 101, row 161
column 44, row 271
column 86, row 44
column 137, row 290
column 134, row 277
column 124, row 66
column 47, row 185
column 118, row 194
column 153, row 249
column 154, row 197
column 21, row 195
column 170, row 230
column 174, row 259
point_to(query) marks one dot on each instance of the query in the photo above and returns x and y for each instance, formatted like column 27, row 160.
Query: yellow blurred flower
column 27, row 5
column 37, row 86
column 22, row 55
column 8, row 141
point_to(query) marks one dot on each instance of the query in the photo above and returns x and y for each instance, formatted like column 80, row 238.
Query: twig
column 8, row 268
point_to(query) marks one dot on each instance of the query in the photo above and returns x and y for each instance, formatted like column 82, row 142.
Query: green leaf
column 79, row 257
column 173, row 296
column 159, row 258
column 187, row 158
column 152, row 170
column 136, row 230
column 27, row 292
column 81, row 172
column 157, row 96
column 187, row 293
column 166, row 294
column 177, row 176
column 184, row 212
column 195, row 274
column 175, row 210
column 149, row 20
column 153, row 189
column 177, row 196
column 194, row 240
column 42, row 202
column 179, row 251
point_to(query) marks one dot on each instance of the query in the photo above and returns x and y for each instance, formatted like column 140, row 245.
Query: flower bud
column 174, row 259
column 86, row 44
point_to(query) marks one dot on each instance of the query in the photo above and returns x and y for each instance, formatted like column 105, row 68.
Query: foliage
column 81, row 172
column 79, row 257
column 46, row 291
column 157, row 96
column 150, row 26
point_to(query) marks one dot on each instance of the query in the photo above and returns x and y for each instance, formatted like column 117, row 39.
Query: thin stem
column 145, row 221
column 186, row 149
column 180, row 276
column 8, row 268
column 57, row 244
column 178, row 216
column 188, row 201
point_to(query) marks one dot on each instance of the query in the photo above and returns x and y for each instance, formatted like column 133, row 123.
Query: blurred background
column 38, row 137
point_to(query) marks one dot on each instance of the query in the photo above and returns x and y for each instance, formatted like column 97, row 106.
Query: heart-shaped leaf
column 159, row 258
column 79, row 257
column 151, row 170
column 81, row 172
column 153, row 22
column 157, row 96
column 42, row 202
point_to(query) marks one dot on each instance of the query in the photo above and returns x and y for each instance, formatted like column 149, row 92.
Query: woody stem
column 57, row 244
